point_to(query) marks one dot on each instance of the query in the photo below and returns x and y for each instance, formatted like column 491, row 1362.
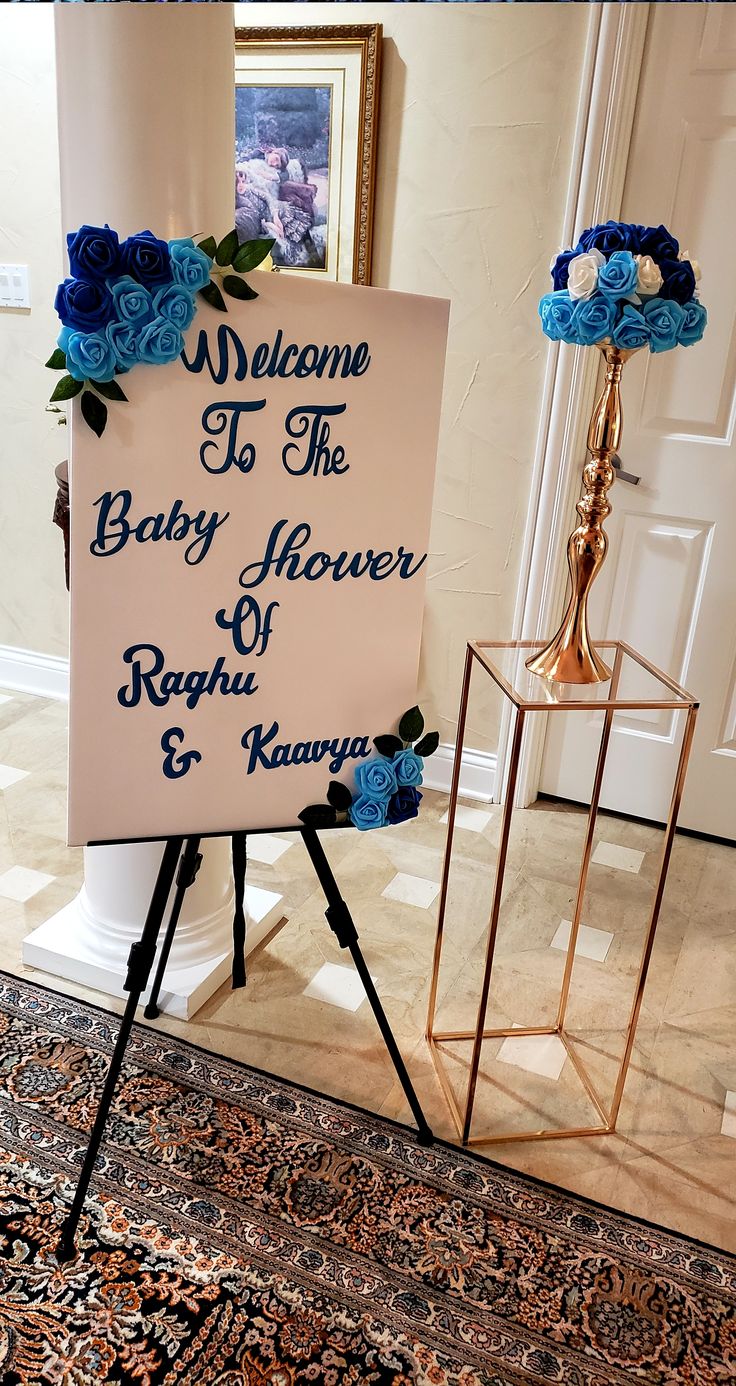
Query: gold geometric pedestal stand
column 635, row 686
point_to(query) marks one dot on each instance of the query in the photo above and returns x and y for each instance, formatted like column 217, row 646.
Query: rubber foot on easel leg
column 66, row 1250
column 151, row 1012
column 425, row 1136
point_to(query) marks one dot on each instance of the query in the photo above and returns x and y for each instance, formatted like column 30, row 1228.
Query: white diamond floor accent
column 728, row 1124
column 541, row 1054
column 9, row 775
column 265, row 848
column 624, row 858
column 412, row 890
column 21, row 883
column 5, row 698
column 475, row 820
column 591, row 943
column 338, row 986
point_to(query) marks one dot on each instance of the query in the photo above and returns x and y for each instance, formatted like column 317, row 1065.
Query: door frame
column 612, row 66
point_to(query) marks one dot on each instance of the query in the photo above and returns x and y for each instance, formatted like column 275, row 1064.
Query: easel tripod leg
column 341, row 922
column 140, row 962
column 186, row 875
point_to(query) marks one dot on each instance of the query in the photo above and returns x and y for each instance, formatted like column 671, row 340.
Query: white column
column 146, row 140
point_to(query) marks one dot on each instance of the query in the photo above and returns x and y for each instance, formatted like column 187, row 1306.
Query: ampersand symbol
column 174, row 765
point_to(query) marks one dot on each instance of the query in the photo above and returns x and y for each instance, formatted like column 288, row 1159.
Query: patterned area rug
column 243, row 1230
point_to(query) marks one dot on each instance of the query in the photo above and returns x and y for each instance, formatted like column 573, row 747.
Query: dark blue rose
column 403, row 805
column 610, row 236
column 147, row 259
column 83, row 304
column 679, row 280
column 560, row 268
column 658, row 242
column 94, row 252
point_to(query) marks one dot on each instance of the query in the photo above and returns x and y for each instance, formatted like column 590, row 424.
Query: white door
column 668, row 586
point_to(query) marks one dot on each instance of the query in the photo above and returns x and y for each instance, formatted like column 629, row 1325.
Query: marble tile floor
column 673, row 1156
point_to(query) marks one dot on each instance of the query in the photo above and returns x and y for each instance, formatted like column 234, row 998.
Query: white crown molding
column 26, row 671
column 609, row 86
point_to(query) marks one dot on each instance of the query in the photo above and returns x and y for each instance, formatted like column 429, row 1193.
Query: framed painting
column 306, row 117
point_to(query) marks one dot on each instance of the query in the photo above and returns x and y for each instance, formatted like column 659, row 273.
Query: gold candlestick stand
column 636, row 685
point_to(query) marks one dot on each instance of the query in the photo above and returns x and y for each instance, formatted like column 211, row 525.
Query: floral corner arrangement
column 624, row 285
column 386, row 786
column 127, row 302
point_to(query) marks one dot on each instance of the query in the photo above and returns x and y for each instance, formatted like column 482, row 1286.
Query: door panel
column 668, row 586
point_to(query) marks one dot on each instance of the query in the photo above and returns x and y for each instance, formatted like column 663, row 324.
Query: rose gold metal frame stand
column 610, row 705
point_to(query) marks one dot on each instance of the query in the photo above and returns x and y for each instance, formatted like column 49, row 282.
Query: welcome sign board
column 248, row 557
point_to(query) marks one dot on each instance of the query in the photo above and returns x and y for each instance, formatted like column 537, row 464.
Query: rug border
column 472, row 1154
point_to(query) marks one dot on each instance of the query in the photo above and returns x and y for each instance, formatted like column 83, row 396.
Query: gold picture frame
column 321, row 211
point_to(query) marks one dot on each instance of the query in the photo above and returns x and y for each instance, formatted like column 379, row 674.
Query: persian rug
column 241, row 1229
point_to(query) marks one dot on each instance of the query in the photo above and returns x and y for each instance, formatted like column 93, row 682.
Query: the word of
column 255, row 740
column 149, row 678
column 247, row 613
column 114, row 529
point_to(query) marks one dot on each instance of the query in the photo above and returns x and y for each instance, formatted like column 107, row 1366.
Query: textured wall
column 33, row 607
column 478, row 107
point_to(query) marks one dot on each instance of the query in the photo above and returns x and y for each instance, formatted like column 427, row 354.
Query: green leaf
column 318, row 816
column 94, row 412
column 110, row 389
column 67, row 388
column 57, row 360
column 208, row 245
column 237, row 288
column 212, row 294
column 388, row 745
column 251, row 253
column 428, row 744
column 227, row 249
column 339, row 795
column 411, row 725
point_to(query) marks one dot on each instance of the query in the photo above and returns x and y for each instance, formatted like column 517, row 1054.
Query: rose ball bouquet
column 624, row 285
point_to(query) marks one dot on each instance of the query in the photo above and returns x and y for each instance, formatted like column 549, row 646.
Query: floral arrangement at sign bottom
column 130, row 302
column 386, row 786
column 626, row 285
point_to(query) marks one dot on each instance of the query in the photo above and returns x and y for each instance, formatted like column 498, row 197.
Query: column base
column 63, row 947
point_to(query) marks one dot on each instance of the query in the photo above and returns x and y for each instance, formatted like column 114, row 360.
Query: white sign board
column 249, row 545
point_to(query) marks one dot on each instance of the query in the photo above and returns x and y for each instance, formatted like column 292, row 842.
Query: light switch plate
column 14, row 288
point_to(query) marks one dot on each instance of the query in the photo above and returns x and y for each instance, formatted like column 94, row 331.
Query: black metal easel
column 140, row 962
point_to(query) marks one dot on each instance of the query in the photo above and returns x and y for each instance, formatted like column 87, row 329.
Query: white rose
column 582, row 274
column 649, row 280
column 685, row 255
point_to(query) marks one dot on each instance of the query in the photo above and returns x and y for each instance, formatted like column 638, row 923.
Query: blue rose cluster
column 126, row 302
column 624, row 284
column 387, row 790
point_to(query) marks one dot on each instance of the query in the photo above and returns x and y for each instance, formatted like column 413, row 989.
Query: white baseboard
column 25, row 671
column 477, row 772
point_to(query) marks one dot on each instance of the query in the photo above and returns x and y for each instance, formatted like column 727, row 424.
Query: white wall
column 478, row 106
column 33, row 607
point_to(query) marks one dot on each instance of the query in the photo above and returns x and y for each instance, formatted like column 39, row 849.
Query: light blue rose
column 631, row 330
column 366, row 812
column 376, row 778
column 175, row 304
column 132, row 300
column 160, row 342
column 556, row 311
column 664, row 318
column 617, row 278
column 408, row 767
column 89, row 356
column 593, row 319
column 124, row 338
column 63, row 337
column 693, row 324
column 190, row 267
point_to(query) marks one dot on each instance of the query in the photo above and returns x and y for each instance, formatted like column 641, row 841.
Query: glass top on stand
column 635, row 682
